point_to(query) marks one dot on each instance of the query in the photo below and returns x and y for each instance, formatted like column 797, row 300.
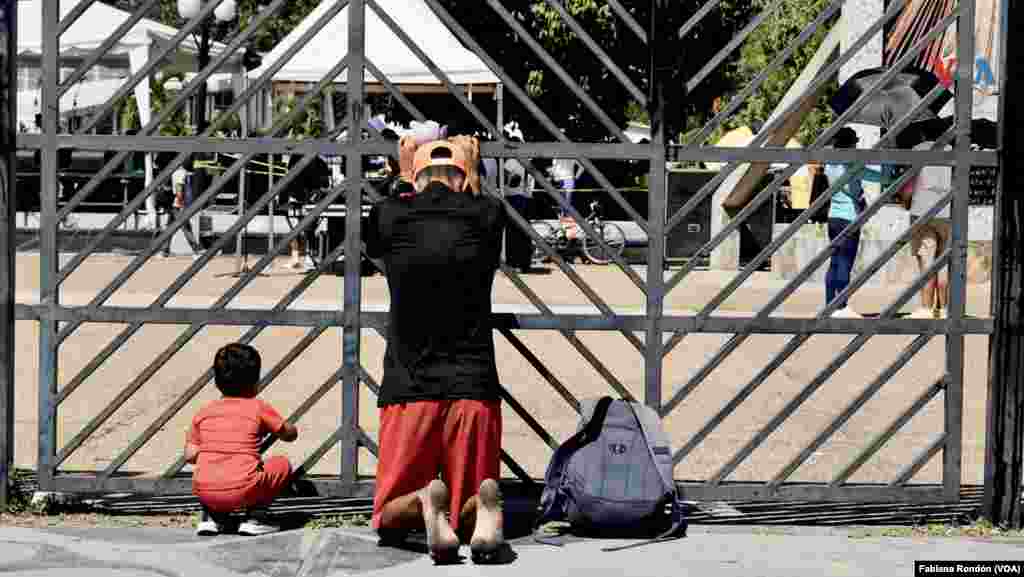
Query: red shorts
column 461, row 440
column 267, row 485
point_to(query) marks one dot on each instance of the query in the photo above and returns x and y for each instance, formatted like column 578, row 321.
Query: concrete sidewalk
column 726, row 551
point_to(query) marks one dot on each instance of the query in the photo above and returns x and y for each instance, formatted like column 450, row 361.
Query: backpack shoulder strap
column 678, row 515
column 551, row 498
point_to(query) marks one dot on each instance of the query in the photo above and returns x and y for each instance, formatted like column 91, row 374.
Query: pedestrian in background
column 846, row 205
column 519, row 194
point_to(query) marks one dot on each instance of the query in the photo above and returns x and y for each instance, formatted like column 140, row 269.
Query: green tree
column 774, row 35
column 543, row 22
column 276, row 28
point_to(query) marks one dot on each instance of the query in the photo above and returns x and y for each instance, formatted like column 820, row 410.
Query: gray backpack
column 614, row 475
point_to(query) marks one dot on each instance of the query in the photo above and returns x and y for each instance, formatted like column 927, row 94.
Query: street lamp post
column 224, row 13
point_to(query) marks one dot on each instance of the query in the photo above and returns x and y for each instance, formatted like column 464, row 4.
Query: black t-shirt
column 440, row 251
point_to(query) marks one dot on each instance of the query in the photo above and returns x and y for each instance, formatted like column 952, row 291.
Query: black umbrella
column 984, row 132
column 899, row 96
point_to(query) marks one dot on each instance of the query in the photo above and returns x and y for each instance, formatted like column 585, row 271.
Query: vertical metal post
column 1004, row 435
column 954, row 397
column 657, row 193
column 49, row 296
column 499, row 97
column 243, row 176
column 8, row 117
column 353, row 246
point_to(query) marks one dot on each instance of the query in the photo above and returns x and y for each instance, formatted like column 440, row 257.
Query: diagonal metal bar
column 510, row 83
column 722, row 54
column 601, row 55
column 823, row 77
column 204, row 380
column 631, row 22
column 169, row 352
column 114, row 345
column 805, row 216
column 773, row 65
column 528, row 229
column 531, row 422
column 215, row 124
column 599, row 366
column 765, row 133
column 304, row 343
column 539, row 366
column 516, row 469
column 336, row 437
column 369, row 381
column 250, row 335
column 198, row 205
column 69, row 20
column 567, row 270
column 574, row 277
column 736, row 340
column 697, row 16
column 559, row 71
column 172, row 349
column 179, row 464
column 394, row 90
column 761, row 197
column 673, row 341
column 570, row 336
column 296, row 416
column 524, row 225
column 581, row 222
column 738, row 399
column 105, row 47
column 820, row 379
column 922, row 458
column 368, row 443
column 882, row 438
column 433, row 67
column 147, row 70
column 908, row 353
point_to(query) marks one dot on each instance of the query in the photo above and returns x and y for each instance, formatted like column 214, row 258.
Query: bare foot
column 442, row 542
column 488, row 535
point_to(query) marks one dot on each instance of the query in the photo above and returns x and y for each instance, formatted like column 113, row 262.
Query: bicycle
column 593, row 252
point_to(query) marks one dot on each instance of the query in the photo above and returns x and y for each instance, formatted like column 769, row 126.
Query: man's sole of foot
column 488, row 537
column 442, row 543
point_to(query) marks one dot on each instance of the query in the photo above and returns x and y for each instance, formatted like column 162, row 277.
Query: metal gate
column 653, row 332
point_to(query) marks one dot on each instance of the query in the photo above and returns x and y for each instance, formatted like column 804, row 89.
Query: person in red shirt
column 223, row 444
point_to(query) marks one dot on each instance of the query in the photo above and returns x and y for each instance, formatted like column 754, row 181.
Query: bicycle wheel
column 613, row 236
column 546, row 232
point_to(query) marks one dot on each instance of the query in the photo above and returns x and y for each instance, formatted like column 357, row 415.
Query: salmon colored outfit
column 460, row 439
column 229, row 474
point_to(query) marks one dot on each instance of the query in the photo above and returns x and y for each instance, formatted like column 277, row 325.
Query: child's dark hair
column 236, row 370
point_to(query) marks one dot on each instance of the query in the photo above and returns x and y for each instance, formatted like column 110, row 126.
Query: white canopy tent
column 98, row 23
column 384, row 49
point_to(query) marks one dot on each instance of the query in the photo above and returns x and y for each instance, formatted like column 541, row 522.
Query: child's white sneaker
column 254, row 527
column 208, row 527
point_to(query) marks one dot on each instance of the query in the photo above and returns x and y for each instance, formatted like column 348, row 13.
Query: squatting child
column 223, row 444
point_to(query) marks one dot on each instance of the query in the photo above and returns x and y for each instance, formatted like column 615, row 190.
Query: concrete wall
column 878, row 236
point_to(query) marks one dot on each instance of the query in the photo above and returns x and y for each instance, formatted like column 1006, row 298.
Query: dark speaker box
column 694, row 231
